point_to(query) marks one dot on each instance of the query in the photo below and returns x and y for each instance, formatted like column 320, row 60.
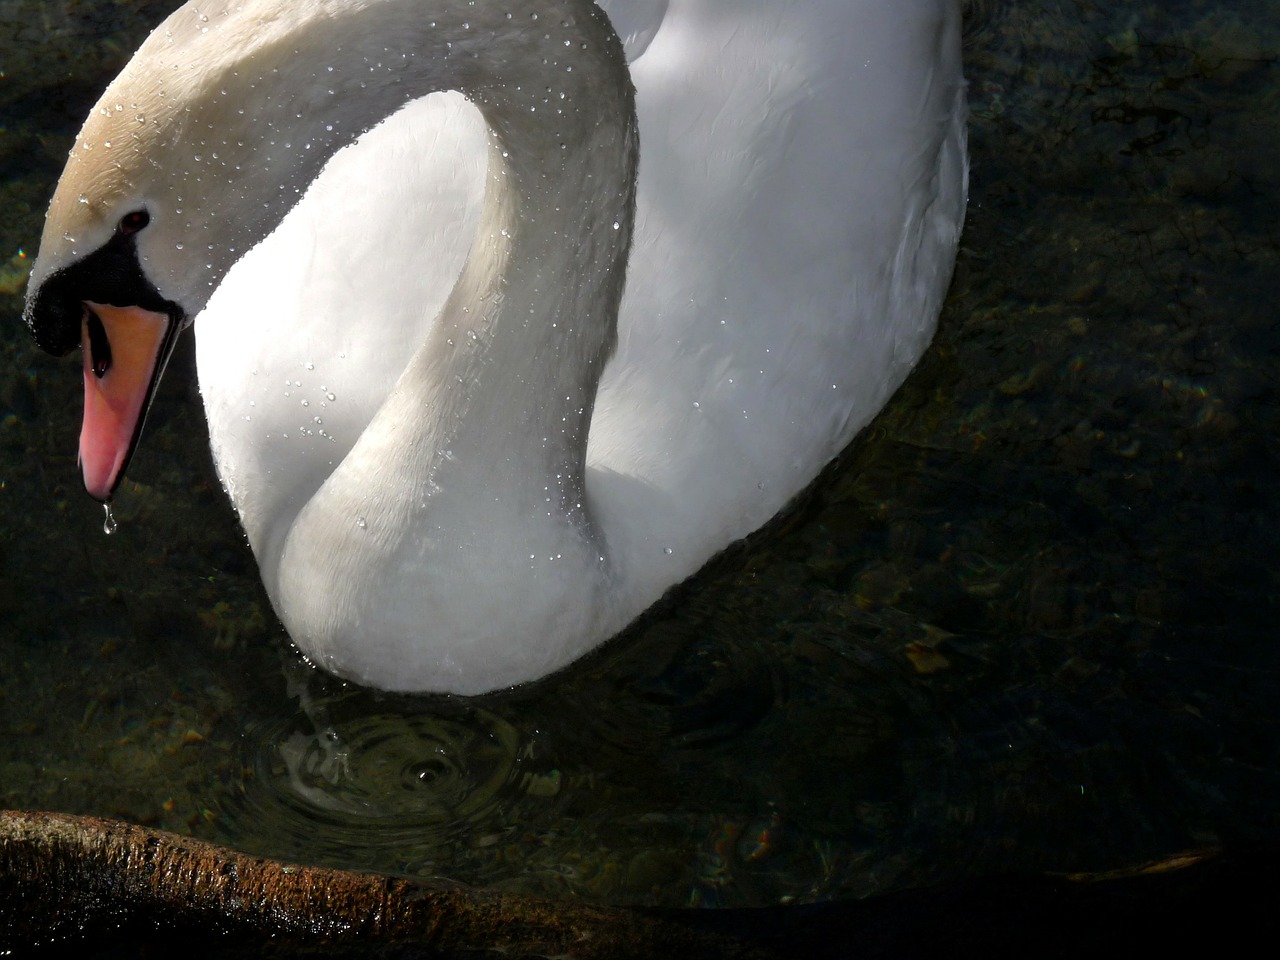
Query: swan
column 510, row 315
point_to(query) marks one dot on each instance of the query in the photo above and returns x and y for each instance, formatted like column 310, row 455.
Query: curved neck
column 502, row 392
column 299, row 81
column 489, row 420
column 513, row 363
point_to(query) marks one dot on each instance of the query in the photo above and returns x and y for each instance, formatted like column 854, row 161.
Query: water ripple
column 399, row 782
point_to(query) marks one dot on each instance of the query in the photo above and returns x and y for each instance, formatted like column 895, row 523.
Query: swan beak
column 125, row 350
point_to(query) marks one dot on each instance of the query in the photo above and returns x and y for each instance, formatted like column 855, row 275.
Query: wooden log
column 67, row 879
column 125, row 890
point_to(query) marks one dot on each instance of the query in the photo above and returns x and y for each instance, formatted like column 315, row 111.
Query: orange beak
column 125, row 350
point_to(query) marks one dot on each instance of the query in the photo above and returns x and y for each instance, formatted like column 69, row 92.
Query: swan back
column 796, row 229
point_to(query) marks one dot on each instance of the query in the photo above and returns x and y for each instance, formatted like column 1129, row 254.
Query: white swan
column 460, row 491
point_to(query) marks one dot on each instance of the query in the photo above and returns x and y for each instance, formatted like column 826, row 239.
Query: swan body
column 479, row 389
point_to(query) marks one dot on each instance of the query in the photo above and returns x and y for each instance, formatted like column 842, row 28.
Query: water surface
column 1025, row 624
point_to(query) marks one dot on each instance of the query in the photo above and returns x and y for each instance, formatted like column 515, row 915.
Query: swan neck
column 487, row 426
column 248, row 105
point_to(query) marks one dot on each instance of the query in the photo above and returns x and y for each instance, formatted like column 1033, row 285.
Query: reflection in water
column 1024, row 625
column 682, row 690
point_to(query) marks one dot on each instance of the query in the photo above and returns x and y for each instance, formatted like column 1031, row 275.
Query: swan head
column 149, row 215
column 91, row 287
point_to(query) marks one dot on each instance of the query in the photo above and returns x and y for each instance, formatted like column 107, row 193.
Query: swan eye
column 131, row 223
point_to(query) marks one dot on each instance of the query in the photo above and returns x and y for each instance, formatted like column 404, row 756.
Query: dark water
column 1026, row 624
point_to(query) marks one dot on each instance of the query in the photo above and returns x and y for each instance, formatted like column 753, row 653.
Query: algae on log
column 66, row 878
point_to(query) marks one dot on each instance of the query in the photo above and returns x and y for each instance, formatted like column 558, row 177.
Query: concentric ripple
column 391, row 783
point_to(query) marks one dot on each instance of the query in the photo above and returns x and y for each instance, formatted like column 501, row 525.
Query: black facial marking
column 111, row 274
column 99, row 347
